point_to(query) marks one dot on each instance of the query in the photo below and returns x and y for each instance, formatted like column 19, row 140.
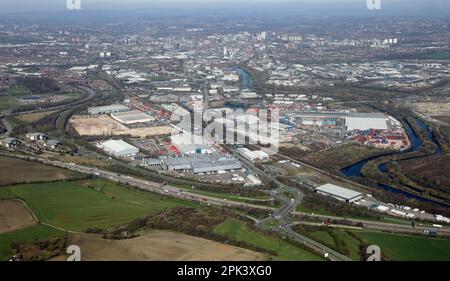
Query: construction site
column 104, row 125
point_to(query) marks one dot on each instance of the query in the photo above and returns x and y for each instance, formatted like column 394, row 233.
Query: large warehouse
column 366, row 121
column 339, row 193
column 211, row 166
column 353, row 120
column 254, row 156
column 118, row 148
column 132, row 117
column 202, row 164
column 114, row 108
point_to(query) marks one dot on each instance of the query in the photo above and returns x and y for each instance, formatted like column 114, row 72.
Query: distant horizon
column 327, row 8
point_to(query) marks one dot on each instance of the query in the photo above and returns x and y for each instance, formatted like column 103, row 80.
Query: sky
column 328, row 7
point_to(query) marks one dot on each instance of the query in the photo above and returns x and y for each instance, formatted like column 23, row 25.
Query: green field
column 37, row 232
column 408, row 248
column 7, row 102
column 18, row 90
column 237, row 230
column 10, row 99
column 75, row 206
column 395, row 247
column 318, row 211
column 342, row 242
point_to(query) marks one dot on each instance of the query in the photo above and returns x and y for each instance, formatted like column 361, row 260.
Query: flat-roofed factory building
column 118, row 148
column 201, row 164
column 208, row 165
column 353, row 120
column 254, row 156
column 339, row 193
column 132, row 117
column 366, row 121
column 109, row 109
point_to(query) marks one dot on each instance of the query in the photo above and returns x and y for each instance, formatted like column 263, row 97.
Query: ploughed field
column 14, row 216
column 159, row 246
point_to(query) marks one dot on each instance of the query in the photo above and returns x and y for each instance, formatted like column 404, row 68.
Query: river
column 245, row 78
column 246, row 83
column 416, row 144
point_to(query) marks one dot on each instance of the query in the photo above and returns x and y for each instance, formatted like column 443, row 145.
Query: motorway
column 284, row 228
column 289, row 206
column 90, row 96
column 9, row 127
column 419, row 228
column 186, row 195
column 281, row 214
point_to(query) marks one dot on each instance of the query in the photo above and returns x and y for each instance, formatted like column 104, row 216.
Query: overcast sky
column 404, row 7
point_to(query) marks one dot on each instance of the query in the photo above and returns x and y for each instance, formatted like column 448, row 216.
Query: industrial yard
column 106, row 126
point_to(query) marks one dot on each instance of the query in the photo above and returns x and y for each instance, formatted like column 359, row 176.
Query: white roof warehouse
column 132, row 117
column 339, row 193
column 366, row 121
column 118, row 148
column 254, row 156
column 108, row 109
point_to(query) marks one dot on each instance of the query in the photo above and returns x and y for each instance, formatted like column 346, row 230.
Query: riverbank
column 378, row 171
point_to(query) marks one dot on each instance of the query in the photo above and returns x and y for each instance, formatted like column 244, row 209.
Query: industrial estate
column 237, row 138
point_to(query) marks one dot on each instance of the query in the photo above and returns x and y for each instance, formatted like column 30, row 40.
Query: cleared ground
column 105, row 125
column 14, row 216
column 160, row 246
column 442, row 118
column 14, row 170
column 433, row 108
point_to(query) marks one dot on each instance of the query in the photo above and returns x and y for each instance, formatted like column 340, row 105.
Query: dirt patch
column 160, row 246
column 104, row 125
column 445, row 119
column 433, row 108
column 14, row 216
